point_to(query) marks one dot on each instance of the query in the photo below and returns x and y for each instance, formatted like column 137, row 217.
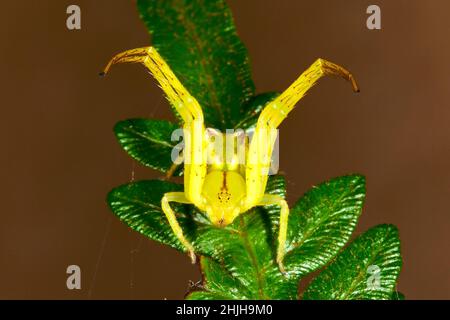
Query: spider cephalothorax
column 227, row 186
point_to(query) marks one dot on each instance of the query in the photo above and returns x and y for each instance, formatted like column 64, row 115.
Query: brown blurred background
column 60, row 157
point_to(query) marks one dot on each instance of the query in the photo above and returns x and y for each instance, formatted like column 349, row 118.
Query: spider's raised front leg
column 261, row 146
column 191, row 113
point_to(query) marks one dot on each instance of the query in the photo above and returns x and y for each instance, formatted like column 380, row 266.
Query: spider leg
column 177, row 197
column 269, row 199
column 277, row 110
column 187, row 107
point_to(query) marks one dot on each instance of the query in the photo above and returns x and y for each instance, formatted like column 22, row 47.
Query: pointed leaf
column 367, row 269
column 149, row 142
column 217, row 280
column 245, row 250
column 138, row 205
column 198, row 40
column 321, row 223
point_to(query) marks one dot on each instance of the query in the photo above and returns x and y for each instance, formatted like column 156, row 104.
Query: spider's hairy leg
column 270, row 199
column 277, row 110
column 177, row 197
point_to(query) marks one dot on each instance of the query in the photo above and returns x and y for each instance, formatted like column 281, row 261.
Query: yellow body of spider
column 224, row 189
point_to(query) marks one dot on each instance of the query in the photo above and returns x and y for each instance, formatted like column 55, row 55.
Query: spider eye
column 224, row 196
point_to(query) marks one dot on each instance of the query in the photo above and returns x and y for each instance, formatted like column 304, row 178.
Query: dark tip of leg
column 101, row 74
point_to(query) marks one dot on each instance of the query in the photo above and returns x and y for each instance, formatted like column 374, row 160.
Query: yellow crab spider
column 224, row 189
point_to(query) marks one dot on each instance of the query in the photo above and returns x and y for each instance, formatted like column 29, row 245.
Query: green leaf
column 352, row 276
column 219, row 282
column 244, row 249
column 149, row 142
column 253, row 108
column 321, row 223
column 198, row 40
column 138, row 204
